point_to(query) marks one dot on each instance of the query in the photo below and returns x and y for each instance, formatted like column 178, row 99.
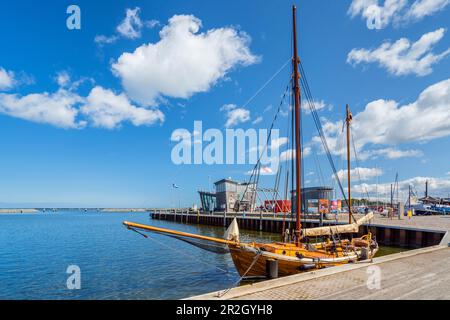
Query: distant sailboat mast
column 348, row 119
column 297, row 111
column 376, row 188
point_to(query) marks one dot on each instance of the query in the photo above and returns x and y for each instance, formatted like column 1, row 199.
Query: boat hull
column 251, row 259
column 251, row 262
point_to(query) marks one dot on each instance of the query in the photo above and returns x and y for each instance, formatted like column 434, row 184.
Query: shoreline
column 15, row 210
column 38, row 210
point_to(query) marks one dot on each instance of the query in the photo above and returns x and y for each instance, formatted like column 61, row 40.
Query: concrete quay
column 417, row 274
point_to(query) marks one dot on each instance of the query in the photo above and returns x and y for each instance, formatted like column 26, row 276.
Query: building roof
column 430, row 199
column 233, row 182
column 323, row 188
column 319, row 188
column 226, row 180
column 208, row 193
column 434, row 200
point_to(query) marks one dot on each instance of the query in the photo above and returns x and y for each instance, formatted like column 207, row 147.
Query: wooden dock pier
column 418, row 232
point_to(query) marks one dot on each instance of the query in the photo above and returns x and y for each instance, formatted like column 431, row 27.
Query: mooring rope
column 224, row 292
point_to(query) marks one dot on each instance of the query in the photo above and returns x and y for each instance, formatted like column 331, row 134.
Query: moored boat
column 298, row 251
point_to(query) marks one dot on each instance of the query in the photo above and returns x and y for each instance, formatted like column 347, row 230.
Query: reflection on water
column 115, row 263
column 383, row 251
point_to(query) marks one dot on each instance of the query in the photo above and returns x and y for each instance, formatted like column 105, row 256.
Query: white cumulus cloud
column 289, row 154
column 108, row 110
column 380, row 14
column 278, row 142
column 439, row 187
column 390, row 153
column 183, row 62
column 235, row 115
column 7, row 80
column 373, row 12
column 403, row 57
column 102, row 39
column 62, row 78
column 318, row 105
column 274, row 146
column 387, row 123
column 130, row 27
column 65, row 108
column 423, row 8
column 360, row 173
column 58, row 109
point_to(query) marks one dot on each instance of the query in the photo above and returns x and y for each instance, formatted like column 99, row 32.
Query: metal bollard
column 272, row 268
column 260, row 221
column 364, row 254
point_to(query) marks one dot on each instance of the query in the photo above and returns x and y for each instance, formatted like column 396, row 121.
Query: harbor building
column 208, row 201
column 236, row 196
column 230, row 195
column 312, row 197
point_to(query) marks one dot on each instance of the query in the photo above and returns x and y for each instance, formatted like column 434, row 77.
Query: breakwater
column 18, row 210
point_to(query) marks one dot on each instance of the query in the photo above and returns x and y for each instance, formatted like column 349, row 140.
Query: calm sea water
column 115, row 263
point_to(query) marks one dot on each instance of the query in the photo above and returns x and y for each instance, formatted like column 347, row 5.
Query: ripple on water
column 115, row 263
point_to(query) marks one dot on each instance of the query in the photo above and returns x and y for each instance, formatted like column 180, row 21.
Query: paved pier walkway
column 416, row 274
column 432, row 223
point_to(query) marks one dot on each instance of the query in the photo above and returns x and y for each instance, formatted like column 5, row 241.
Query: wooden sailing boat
column 251, row 259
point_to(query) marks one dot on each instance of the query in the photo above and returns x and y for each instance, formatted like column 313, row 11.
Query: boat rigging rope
column 310, row 100
column 266, row 83
column 360, row 180
column 318, row 168
column 179, row 251
column 289, row 171
column 224, row 292
column 273, row 122
column 138, row 232
column 357, row 167
column 258, row 162
column 291, row 115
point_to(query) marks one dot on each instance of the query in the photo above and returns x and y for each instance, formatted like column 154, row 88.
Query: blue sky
column 61, row 146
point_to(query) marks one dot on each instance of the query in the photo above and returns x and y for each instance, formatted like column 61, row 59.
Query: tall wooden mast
column 297, row 112
column 348, row 119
